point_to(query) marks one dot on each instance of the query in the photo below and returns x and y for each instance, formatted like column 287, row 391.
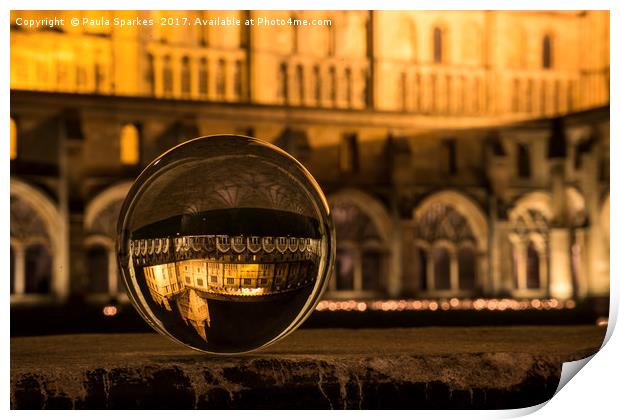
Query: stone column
column 357, row 269
column 395, row 285
column 454, row 271
column 113, row 286
column 20, row 270
column 560, row 286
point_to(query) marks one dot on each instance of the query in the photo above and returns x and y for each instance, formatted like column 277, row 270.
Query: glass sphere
column 225, row 244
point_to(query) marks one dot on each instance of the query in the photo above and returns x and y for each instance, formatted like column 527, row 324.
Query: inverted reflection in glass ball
column 225, row 244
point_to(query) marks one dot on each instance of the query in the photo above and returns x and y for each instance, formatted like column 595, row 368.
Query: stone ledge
column 496, row 367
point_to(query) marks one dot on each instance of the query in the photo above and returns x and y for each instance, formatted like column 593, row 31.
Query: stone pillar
column 20, row 270
column 561, row 285
column 395, row 285
column 454, row 271
column 357, row 269
column 113, row 286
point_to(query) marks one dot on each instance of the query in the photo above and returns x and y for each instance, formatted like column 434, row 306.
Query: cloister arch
column 100, row 218
column 41, row 237
column 450, row 245
column 363, row 244
column 530, row 219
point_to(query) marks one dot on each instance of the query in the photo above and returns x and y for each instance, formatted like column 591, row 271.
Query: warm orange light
column 110, row 310
column 130, row 145
column 13, row 139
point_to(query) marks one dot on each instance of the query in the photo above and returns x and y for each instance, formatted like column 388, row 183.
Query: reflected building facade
column 463, row 154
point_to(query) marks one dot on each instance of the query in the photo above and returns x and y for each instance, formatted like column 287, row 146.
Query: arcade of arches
column 442, row 247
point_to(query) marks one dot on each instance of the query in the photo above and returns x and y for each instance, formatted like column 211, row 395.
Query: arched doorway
column 38, row 246
column 100, row 218
column 362, row 248
column 449, row 246
column 529, row 240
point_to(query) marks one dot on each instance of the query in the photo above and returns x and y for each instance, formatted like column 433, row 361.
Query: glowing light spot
column 110, row 310
column 433, row 306
column 361, row 306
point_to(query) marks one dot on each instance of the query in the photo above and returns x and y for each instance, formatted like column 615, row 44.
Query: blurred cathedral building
column 463, row 153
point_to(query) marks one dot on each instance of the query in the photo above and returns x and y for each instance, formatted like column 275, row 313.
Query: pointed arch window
column 547, row 52
column 203, row 77
column 438, row 45
column 167, row 76
column 185, row 77
column 150, row 73
column 317, row 84
column 299, row 76
column 284, row 82
column 221, row 79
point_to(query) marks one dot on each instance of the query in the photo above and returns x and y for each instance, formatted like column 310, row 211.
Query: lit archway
column 363, row 238
column 529, row 237
column 100, row 218
column 450, row 239
column 39, row 244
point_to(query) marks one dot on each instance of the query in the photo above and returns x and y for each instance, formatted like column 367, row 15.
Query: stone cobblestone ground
column 460, row 367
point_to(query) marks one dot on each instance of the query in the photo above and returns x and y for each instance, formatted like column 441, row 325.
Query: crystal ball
column 225, row 244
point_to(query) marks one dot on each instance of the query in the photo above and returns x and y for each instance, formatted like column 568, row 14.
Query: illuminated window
column 547, row 52
column 438, row 50
column 13, row 139
column 130, row 145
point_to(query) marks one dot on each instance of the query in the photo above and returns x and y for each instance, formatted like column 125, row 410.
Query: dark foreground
column 459, row 367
